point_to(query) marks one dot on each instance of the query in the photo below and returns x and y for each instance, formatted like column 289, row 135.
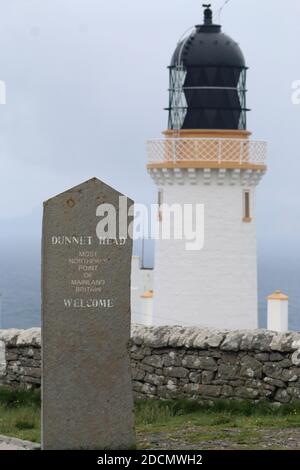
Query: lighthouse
column 207, row 158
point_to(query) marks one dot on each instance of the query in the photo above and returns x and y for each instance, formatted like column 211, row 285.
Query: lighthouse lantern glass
column 207, row 81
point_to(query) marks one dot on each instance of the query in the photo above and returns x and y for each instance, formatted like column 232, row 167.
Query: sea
column 20, row 276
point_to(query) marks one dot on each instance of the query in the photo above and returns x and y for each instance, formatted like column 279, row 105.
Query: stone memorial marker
column 87, row 398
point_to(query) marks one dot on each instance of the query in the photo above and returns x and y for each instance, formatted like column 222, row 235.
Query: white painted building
column 207, row 157
column 141, row 290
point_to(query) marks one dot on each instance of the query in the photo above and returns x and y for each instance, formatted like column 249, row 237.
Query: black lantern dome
column 207, row 80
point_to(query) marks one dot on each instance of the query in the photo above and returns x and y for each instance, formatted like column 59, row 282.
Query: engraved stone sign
column 86, row 379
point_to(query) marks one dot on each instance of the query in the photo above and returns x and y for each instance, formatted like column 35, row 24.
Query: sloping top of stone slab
column 87, row 185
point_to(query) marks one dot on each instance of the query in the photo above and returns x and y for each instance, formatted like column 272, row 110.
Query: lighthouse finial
column 208, row 15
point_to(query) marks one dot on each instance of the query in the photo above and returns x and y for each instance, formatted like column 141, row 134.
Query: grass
column 240, row 423
column 232, row 413
column 226, row 424
column 20, row 414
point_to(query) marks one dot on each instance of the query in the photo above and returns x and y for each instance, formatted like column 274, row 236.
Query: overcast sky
column 86, row 86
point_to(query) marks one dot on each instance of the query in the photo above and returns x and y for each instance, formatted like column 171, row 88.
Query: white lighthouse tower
column 207, row 157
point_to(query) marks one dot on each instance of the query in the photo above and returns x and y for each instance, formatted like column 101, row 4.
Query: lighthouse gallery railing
column 219, row 150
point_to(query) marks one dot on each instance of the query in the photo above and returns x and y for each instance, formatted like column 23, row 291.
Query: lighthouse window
column 159, row 202
column 159, row 198
column 247, row 209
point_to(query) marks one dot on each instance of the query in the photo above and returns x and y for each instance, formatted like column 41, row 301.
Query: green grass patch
column 21, row 422
column 15, row 398
column 20, row 414
column 233, row 413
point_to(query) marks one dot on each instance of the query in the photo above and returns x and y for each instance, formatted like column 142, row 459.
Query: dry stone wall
column 20, row 361
column 175, row 362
